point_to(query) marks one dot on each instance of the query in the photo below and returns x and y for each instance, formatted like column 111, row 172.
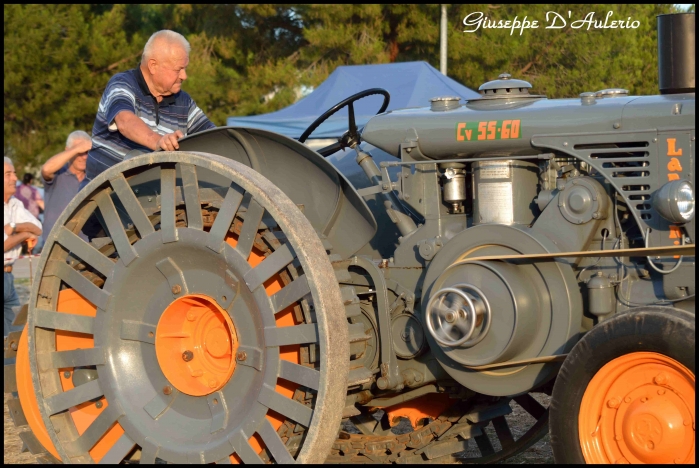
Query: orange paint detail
column 459, row 128
column 672, row 176
column 27, row 398
column 671, row 151
column 674, row 165
column 426, row 406
column 639, row 408
column 675, row 232
column 290, row 353
column 481, row 130
column 196, row 344
column 514, row 131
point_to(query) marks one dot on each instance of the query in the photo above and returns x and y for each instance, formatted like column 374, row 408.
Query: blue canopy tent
column 410, row 84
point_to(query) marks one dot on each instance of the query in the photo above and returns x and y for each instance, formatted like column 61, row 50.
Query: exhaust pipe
column 676, row 53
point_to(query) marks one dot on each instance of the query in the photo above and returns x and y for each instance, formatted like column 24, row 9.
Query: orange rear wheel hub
column 639, row 408
column 196, row 343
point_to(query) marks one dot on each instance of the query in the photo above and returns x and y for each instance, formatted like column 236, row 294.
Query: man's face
column 10, row 180
column 79, row 162
column 168, row 69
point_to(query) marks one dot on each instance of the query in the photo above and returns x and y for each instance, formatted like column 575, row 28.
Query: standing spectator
column 145, row 108
column 20, row 226
column 62, row 175
column 29, row 195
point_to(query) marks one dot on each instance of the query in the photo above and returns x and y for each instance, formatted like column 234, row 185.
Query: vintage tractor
column 511, row 258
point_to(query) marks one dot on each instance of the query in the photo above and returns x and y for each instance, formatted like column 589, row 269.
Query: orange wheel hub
column 196, row 343
column 639, row 408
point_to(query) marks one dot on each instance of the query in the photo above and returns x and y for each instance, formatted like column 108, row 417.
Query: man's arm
column 56, row 162
column 15, row 239
column 28, row 227
column 133, row 128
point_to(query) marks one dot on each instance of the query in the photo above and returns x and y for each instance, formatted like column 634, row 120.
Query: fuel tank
column 507, row 125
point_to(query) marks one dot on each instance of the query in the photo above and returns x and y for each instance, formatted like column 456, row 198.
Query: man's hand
column 168, row 142
column 81, row 146
column 8, row 229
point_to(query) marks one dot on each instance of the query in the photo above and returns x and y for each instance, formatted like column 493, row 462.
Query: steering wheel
column 350, row 137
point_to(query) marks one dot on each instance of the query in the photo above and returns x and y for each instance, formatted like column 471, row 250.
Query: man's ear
column 151, row 65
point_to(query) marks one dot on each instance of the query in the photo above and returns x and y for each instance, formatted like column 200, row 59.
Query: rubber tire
column 663, row 330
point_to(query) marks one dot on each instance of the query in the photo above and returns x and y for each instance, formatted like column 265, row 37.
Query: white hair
column 169, row 37
column 9, row 161
column 77, row 135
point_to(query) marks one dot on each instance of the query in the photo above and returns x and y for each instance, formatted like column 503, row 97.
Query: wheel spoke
column 74, row 397
column 291, row 293
column 85, row 251
column 253, row 217
column 484, row 445
column 159, row 403
column 62, row 321
column 118, row 451
column 240, row 444
column 274, row 443
column 82, row 285
column 292, row 409
column 137, row 331
column 225, row 216
column 173, row 274
column 530, row 405
column 301, row 375
column 95, row 431
column 279, row 259
column 77, row 358
column 167, row 204
column 149, row 451
column 190, row 187
column 503, row 432
column 219, row 411
column 132, row 206
column 116, row 229
column 299, row 334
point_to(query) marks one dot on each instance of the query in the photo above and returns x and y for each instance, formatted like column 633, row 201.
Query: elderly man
column 62, row 175
column 145, row 108
column 20, row 226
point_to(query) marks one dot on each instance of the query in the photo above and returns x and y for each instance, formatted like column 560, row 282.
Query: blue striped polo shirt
column 128, row 91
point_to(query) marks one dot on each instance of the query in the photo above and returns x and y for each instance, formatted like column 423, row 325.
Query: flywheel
column 186, row 311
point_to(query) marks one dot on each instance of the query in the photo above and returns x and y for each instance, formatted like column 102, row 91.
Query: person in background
column 145, row 109
column 62, row 175
column 20, row 226
column 30, row 196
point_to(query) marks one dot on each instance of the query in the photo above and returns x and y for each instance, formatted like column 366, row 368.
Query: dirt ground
column 519, row 421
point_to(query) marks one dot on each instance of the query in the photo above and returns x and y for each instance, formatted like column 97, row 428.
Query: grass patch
column 22, row 282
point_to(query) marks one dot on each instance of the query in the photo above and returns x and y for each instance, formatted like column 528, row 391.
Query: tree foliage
column 252, row 59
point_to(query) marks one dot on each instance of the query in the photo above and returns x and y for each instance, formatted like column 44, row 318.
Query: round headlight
column 675, row 201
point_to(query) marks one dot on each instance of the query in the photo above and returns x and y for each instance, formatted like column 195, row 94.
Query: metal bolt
column 66, row 374
column 98, row 405
column 661, row 392
column 616, row 125
column 213, row 383
column 595, row 215
column 565, row 143
column 406, row 197
column 644, row 399
column 241, row 356
column 450, row 317
column 655, row 140
column 613, row 403
column 408, row 150
column 627, row 399
column 661, row 379
column 13, row 345
column 618, row 437
column 384, row 186
column 167, row 390
column 187, row 356
column 176, row 289
column 150, row 198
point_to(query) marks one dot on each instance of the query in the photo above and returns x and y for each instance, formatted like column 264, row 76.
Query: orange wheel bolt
column 644, row 399
column 627, row 399
column 661, row 379
column 613, row 403
column 661, row 392
column 187, row 356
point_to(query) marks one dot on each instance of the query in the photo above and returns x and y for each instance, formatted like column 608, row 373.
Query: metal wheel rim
column 308, row 251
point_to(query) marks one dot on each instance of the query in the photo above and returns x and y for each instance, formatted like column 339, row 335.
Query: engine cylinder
column 504, row 192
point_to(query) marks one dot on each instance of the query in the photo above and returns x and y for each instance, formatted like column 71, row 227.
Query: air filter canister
column 504, row 192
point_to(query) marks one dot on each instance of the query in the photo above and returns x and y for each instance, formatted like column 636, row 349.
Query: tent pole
column 443, row 42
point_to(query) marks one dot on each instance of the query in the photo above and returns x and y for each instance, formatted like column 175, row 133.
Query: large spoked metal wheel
column 202, row 322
